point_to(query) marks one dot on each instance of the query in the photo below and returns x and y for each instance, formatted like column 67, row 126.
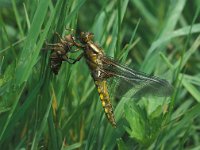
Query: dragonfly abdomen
column 105, row 100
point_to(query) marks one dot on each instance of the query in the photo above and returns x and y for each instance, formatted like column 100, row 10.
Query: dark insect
column 60, row 51
column 104, row 69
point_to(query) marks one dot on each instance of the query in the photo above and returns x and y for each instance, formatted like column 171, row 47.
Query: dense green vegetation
column 39, row 110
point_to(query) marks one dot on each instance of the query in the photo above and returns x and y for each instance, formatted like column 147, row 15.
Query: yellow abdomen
column 105, row 100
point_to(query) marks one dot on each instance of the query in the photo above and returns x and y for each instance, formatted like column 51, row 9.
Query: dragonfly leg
column 55, row 45
column 74, row 51
column 73, row 60
column 76, row 44
column 59, row 37
column 78, row 58
column 55, row 48
column 58, row 48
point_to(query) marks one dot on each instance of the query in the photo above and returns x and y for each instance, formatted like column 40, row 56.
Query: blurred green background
column 39, row 110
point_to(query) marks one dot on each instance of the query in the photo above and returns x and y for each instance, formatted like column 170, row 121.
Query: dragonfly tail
column 105, row 100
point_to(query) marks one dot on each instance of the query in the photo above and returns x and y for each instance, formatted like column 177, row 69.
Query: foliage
column 39, row 110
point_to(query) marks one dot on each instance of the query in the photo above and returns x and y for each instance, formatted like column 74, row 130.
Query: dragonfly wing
column 130, row 83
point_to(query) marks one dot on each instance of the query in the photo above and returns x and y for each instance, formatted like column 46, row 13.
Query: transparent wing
column 130, row 83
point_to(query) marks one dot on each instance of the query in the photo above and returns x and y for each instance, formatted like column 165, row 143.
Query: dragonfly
column 105, row 69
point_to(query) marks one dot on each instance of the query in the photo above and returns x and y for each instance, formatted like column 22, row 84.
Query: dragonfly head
column 86, row 36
